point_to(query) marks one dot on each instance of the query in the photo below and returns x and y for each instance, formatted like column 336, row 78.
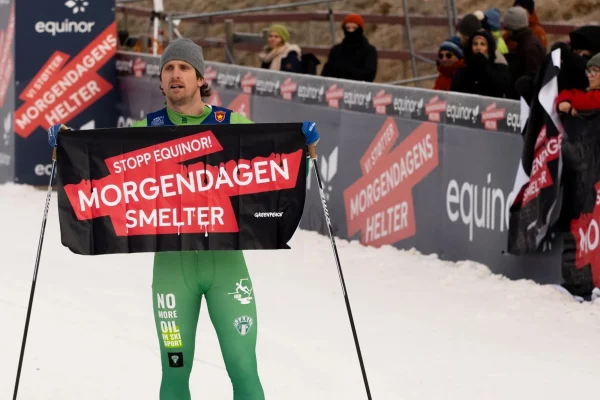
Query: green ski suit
column 180, row 279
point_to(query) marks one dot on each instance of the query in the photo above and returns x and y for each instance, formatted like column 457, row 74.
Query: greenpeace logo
column 478, row 206
column 270, row 87
column 461, row 112
column 357, row 99
column 268, row 215
column 228, row 79
column 407, row 105
column 311, row 92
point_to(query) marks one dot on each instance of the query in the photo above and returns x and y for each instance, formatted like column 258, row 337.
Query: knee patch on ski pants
column 180, row 281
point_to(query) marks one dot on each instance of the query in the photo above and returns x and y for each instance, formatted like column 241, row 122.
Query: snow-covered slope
column 428, row 329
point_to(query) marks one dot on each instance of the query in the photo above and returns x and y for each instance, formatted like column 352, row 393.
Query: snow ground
column 428, row 329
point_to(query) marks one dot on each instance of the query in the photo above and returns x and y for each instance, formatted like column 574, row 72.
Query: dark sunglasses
column 448, row 56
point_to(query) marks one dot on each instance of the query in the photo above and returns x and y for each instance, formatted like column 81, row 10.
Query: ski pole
column 313, row 155
column 35, row 272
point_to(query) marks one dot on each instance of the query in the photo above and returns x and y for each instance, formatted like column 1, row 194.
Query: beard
column 184, row 96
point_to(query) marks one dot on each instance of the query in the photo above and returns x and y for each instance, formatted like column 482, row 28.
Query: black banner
column 536, row 208
column 201, row 187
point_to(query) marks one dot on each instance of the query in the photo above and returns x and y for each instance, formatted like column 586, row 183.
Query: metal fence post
column 229, row 38
column 408, row 36
column 331, row 24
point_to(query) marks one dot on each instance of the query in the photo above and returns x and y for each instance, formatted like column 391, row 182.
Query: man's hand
column 309, row 129
column 565, row 107
column 53, row 133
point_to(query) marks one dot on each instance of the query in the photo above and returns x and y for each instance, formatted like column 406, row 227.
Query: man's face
column 179, row 82
column 447, row 58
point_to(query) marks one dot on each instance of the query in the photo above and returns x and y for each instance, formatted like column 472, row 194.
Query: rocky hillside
column 382, row 36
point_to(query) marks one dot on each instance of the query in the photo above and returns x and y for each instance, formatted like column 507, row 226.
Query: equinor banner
column 7, row 66
column 64, row 72
column 409, row 168
column 205, row 187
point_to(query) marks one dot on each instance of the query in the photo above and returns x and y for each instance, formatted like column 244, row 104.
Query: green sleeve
column 236, row 118
column 140, row 124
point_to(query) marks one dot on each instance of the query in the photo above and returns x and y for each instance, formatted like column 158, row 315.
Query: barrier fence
column 403, row 167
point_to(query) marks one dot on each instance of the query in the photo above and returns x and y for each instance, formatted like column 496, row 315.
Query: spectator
column 533, row 23
column 482, row 75
column 354, row 58
column 491, row 23
column 574, row 100
column 450, row 60
column 467, row 28
column 529, row 52
column 279, row 55
column 585, row 41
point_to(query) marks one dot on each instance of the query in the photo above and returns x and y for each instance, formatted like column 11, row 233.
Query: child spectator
column 450, row 59
column 482, row 75
column 574, row 100
column 279, row 55
column 354, row 58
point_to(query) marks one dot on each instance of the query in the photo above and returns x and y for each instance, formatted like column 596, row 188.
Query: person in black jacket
column 355, row 58
column 482, row 75
column 279, row 54
column 529, row 52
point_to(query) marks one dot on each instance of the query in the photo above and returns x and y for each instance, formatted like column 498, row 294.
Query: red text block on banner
column 380, row 204
column 67, row 92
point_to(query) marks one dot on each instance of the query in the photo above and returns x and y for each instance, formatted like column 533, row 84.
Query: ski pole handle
column 312, row 151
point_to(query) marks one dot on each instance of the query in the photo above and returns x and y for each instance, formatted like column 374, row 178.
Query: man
column 529, row 53
column 180, row 279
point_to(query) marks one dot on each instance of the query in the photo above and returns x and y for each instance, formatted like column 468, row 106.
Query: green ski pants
column 180, row 279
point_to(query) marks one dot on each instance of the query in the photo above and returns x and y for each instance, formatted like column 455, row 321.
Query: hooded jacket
column 482, row 75
column 354, row 58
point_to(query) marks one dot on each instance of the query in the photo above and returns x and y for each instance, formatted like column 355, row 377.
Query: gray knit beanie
column 516, row 18
column 594, row 61
column 183, row 49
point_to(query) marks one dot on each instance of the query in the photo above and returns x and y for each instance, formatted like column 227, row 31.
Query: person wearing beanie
column 354, row 58
column 533, row 22
column 528, row 54
column 585, row 40
column 572, row 101
column 279, row 54
column 450, row 59
column 491, row 23
column 181, row 279
column 482, row 75
column 467, row 27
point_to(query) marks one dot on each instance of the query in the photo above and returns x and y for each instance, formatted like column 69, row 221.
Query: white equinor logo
column 7, row 129
column 328, row 170
column 78, row 6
